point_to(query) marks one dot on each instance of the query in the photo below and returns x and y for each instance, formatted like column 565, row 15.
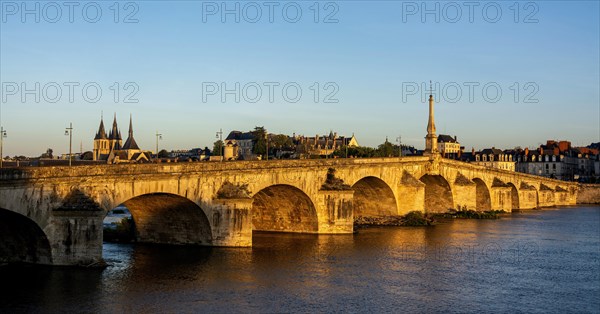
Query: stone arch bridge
column 54, row 215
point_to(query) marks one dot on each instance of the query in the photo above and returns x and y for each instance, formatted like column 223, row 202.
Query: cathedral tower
column 101, row 143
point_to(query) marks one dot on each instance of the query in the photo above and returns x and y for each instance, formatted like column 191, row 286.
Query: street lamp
column 158, row 137
column 267, row 140
column 2, row 136
column 399, row 140
column 69, row 132
column 220, row 137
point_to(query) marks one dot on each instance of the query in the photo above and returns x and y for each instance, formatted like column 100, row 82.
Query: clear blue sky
column 370, row 53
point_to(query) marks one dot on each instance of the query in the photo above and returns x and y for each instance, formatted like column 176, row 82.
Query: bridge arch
column 283, row 208
column 22, row 240
column 438, row 194
column 373, row 197
column 514, row 196
column 482, row 195
column 169, row 219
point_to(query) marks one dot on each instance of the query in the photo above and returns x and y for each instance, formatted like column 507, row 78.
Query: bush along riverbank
column 412, row 219
column 417, row 219
column 472, row 214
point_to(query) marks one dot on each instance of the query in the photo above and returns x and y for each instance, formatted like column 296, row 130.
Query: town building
column 322, row 145
column 109, row 147
column 559, row 160
column 448, row 146
column 195, row 154
column 493, row 158
column 240, row 145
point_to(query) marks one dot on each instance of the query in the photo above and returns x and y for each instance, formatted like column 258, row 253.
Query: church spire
column 431, row 138
column 114, row 132
column 130, row 142
column 130, row 126
column 101, row 134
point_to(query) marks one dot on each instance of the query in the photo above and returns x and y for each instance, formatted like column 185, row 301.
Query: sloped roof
column 115, row 134
column 493, row 151
column 238, row 135
column 130, row 143
column 443, row 138
column 101, row 134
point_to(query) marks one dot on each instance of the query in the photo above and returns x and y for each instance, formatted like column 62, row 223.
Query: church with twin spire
column 110, row 148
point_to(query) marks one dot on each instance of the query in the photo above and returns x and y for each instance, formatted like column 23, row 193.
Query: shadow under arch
column 438, row 194
column 22, row 240
column 514, row 196
column 482, row 195
column 168, row 219
column 373, row 197
column 283, row 208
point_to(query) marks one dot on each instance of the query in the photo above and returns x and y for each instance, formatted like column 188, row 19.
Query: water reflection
column 529, row 261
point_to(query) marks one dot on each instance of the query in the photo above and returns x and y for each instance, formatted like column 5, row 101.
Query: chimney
column 526, row 151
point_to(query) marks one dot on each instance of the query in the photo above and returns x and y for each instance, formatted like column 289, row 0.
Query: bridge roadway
column 53, row 215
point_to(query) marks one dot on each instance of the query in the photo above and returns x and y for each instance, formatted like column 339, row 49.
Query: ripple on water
column 532, row 261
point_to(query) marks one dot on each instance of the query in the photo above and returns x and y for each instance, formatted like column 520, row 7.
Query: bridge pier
column 76, row 237
column 546, row 196
column 527, row 199
column 561, row 196
column 335, row 211
column 501, row 198
column 464, row 195
column 231, row 222
column 410, row 194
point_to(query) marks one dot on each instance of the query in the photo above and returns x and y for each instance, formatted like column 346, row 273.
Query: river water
column 532, row 261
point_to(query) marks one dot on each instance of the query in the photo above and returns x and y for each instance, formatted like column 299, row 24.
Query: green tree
column 259, row 143
column 340, row 152
column 163, row 153
column 279, row 142
column 87, row 156
column 361, row 152
column 47, row 154
column 217, row 148
column 387, row 149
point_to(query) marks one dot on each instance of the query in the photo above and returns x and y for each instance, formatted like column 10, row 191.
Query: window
column 554, row 166
column 547, row 166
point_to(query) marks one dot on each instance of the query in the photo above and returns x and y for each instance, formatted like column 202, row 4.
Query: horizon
column 518, row 79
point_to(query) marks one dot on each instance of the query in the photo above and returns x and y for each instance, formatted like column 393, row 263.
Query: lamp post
column 2, row 136
column 399, row 140
column 267, row 140
column 69, row 132
column 220, row 137
column 158, row 137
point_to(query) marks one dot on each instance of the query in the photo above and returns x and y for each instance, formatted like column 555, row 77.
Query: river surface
column 532, row 261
